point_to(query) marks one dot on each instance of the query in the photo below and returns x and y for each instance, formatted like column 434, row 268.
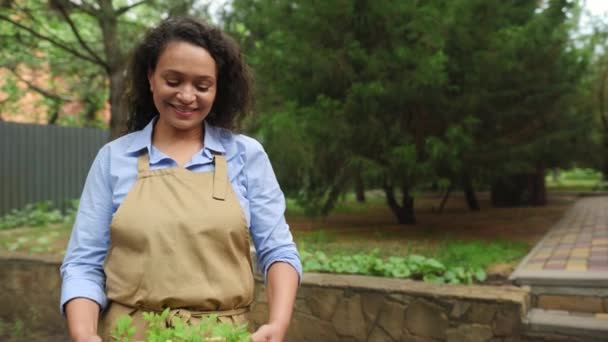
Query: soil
column 525, row 224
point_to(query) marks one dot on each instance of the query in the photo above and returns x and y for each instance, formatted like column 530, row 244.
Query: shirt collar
column 212, row 140
column 142, row 138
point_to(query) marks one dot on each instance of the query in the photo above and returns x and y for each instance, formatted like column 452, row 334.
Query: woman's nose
column 186, row 95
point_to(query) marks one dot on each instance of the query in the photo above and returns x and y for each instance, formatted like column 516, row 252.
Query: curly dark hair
column 234, row 85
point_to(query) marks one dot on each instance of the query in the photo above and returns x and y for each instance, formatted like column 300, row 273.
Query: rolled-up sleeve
column 82, row 268
column 269, row 230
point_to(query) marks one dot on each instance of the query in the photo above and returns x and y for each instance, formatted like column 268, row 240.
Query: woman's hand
column 269, row 333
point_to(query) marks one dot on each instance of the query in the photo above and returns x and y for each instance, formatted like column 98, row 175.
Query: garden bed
column 493, row 239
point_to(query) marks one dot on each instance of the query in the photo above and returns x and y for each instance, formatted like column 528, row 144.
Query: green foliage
column 409, row 94
column 37, row 215
column 579, row 174
column 208, row 330
column 413, row 266
column 478, row 254
column 18, row 330
column 81, row 46
column 32, row 215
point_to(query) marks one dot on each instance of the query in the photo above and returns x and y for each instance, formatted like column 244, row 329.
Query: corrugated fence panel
column 39, row 163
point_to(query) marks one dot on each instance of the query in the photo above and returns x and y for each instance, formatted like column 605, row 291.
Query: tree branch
column 84, row 7
column 84, row 44
column 52, row 41
column 124, row 9
column 38, row 89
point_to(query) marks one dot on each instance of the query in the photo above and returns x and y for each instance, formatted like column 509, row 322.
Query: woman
column 167, row 210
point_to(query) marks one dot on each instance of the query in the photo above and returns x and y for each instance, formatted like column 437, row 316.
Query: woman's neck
column 179, row 145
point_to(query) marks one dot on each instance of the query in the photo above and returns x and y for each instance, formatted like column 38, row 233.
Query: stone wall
column 329, row 308
column 349, row 308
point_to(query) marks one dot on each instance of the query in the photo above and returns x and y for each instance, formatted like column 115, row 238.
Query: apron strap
column 143, row 162
column 220, row 178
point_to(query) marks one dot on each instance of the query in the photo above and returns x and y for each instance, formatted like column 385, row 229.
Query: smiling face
column 183, row 86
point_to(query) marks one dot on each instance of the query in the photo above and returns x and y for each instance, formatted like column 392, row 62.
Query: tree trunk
column 444, row 200
column 118, row 120
column 116, row 62
column 404, row 213
column 469, row 192
column 520, row 189
column 334, row 192
column 605, row 157
column 538, row 189
column 359, row 187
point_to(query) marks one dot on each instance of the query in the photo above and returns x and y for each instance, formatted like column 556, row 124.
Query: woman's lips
column 184, row 112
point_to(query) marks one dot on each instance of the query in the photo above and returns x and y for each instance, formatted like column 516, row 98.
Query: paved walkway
column 571, row 261
column 578, row 243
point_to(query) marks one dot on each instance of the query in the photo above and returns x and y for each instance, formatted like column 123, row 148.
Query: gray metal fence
column 40, row 163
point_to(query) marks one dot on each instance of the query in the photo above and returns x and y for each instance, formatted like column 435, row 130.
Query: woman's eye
column 172, row 83
column 202, row 88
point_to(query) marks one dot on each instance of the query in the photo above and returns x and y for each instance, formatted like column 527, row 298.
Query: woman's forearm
column 282, row 288
column 82, row 316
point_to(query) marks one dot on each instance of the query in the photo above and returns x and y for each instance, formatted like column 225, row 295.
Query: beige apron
column 178, row 240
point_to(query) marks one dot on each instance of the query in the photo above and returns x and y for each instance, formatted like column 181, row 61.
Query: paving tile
column 577, row 261
column 580, row 253
column 565, row 246
column 598, row 267
column 599, row 258
column 600, row 241
column 576, row 268
column 535, row 266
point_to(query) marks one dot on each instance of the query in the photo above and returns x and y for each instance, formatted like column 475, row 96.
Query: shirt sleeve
column 270, row 233
column 82, row 268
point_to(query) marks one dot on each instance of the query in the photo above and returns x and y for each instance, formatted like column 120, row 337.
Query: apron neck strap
column 143, row 162
column 220, row 175
column 220, row 178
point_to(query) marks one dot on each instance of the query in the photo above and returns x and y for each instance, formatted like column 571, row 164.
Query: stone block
column 407, row 337
column 426, row 320
column 348, row 319
column 570, row 303
column 306, row 328
column 261, row 294
column 469, row 333
column 301, row 306
column 401, row 298
column 259, row 313
column 391, row 319
column 482, row 313
column 379, row 335
column 507, row 322
column 322, row 302
column 459, row 309
column 372, row 303
column 303, row 291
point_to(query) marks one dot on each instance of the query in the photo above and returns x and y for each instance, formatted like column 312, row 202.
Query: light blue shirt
column 114, row 172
